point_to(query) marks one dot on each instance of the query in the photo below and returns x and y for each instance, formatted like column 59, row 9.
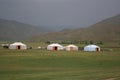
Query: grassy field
column 59, row 65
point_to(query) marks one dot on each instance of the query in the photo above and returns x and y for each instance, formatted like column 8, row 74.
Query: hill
column 13, row 30
column 106, row 30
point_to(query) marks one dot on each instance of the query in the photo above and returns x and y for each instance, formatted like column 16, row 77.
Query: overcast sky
column 58, row 13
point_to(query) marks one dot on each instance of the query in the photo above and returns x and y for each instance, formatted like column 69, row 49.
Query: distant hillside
column 106, row 30
column 13, row 30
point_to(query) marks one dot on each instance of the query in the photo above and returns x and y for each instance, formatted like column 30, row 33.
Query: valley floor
column 59, row 65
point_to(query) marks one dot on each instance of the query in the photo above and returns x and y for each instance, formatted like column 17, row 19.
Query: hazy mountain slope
column 12, row 30
column 106, row 30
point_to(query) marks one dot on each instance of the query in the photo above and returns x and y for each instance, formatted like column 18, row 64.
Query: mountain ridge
column 13, row 30
column 106, row 30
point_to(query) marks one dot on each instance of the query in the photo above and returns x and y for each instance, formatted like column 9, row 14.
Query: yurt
column 92, row 48
column 18, row 46
column 55, row 47
column 71, row 48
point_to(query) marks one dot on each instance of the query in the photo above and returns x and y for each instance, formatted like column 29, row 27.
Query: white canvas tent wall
column 55, row 46
column 91, row 48
column 71, row 48
column 18, row 46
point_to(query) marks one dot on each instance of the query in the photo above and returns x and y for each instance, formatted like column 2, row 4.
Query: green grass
column 59, row 65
